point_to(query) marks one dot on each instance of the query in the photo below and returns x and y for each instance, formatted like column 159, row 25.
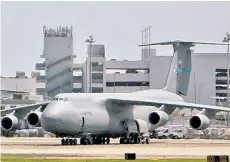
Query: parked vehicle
column 177, row 134
column 163, row 134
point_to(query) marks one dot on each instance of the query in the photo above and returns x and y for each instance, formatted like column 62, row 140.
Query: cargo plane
column 97, row 117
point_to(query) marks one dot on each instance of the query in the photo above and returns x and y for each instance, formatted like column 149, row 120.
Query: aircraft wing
column 22, row 110
column 150, row 102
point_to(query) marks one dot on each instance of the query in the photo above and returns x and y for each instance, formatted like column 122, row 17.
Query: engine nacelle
column 158, row 118
column 9, row 123
column 199, row 122
column 34, row 118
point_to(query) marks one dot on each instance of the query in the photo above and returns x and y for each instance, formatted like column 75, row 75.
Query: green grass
column 37, row 158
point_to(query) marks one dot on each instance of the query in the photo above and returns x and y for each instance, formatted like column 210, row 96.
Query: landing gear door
column 142, row 126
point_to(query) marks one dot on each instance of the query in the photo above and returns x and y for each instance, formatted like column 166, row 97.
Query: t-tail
column 179, row 73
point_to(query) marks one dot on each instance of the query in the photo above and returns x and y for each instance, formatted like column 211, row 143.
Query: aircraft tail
column 179, row 72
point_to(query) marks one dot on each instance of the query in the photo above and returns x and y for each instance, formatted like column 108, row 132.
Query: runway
column 164, row 148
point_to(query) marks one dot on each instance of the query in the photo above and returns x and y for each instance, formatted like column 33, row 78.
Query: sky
column 117, row 25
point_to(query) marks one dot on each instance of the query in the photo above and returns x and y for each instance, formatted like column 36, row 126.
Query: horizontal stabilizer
column 183, row 42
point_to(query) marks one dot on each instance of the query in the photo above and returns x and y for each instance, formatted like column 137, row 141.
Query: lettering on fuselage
column 86, row 113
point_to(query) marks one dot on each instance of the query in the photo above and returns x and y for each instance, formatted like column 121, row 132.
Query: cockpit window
column 60, row 99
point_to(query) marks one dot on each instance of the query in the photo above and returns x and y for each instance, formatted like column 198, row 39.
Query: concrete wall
column 19, row 84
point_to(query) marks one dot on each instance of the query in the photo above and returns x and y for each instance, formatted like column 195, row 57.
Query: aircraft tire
column 121, row 140
column 128, row 140
column 67, row 141
column 103, row 140
column 82, row 141
column 107, row 140
column 70, row 141
column 75, row 142
column 147, row 141
column 62, row 142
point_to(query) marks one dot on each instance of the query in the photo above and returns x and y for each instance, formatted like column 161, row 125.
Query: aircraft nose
column 60, row 120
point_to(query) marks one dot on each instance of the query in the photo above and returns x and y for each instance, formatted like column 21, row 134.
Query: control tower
column 58, row 55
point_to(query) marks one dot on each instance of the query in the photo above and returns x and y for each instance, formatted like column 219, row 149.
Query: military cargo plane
column 97, row 117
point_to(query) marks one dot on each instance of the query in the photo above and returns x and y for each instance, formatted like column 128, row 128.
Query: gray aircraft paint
column 100, row 117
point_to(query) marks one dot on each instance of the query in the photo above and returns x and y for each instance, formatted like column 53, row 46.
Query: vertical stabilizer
column 179, row 72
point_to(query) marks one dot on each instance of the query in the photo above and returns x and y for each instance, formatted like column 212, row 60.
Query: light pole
column 90, row 41
column 227, row 40
column 149, row 27
column 114, row 79
column 142, row 42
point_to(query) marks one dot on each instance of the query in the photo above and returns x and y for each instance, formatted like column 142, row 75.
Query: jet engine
column 199, row 122
column 158, row 118
column 34, row 118
column 9, row 123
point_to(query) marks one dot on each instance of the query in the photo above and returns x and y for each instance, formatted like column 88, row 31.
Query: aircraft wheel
column 107, row 140
column 66, row 141
column 121, row 140
column 103, row 140
column 82, row 141
column 71, row 141
column 75, row 142
column 147, row 141
column 62, row 142
column 128, row 140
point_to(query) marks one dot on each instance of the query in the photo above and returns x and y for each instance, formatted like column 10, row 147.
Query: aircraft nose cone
column 51, row 120
column 60, row 119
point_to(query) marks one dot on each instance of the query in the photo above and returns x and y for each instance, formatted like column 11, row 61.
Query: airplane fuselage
column 72, row 114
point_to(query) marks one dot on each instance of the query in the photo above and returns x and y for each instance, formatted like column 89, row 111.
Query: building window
column 77, row 79
column 97, row 66
column 97, row 75
column 2, row 107
column 221, row 94
column 97, row 90
column 77, row 90
column 40, row 91
column 111, row 84
column 221, row 87
column 221, row 74
column 221, row 82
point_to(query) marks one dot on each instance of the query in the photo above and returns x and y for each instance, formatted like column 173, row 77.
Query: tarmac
column 157, row 149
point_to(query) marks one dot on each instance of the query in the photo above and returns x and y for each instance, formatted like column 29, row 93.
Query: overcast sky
column 115, row 24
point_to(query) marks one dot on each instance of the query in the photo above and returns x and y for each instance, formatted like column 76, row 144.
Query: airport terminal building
column 61, row 75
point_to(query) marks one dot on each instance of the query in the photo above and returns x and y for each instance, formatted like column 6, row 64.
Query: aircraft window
column 60, row 99
column 65, row 99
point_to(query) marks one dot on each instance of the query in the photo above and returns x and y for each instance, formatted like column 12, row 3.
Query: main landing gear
column 94, row 140
column 97, row 140
column 134, row 140
column 68, row 141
